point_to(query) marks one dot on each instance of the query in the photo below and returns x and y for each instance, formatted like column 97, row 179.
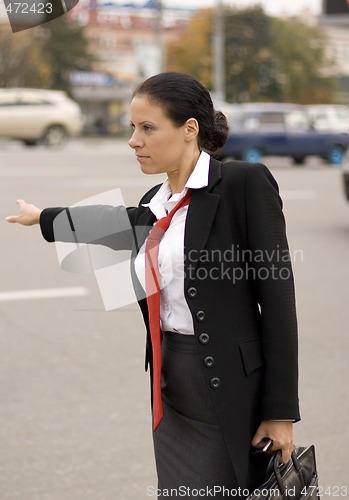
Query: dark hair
column 183, row 97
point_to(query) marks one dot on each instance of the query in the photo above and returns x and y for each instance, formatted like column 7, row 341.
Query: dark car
column 275, row 129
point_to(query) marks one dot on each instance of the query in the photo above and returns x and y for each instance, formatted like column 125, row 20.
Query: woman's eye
column 146, row 128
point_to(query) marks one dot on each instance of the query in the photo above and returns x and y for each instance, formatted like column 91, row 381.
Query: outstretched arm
column 29, row 214
column 97, row 224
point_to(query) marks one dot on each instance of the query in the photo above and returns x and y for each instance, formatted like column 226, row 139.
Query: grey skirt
column 191, row 458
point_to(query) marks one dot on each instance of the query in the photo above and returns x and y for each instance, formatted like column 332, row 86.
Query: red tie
column 152, row 287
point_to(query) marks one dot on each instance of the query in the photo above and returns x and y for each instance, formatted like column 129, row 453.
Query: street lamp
column 218, row 52
column 158, row 39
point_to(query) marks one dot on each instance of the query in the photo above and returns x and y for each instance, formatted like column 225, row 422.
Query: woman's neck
column 179, row 177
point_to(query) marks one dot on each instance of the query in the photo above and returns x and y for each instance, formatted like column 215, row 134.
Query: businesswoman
column 227, row 351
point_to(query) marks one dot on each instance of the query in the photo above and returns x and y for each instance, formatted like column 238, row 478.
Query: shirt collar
column 199, row 176
column 163, row 201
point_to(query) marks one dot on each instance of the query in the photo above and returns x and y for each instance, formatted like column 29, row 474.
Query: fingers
column 286, row 448
column 12, row 218
column 286, row 455
column 258, row 437
column 28, row 214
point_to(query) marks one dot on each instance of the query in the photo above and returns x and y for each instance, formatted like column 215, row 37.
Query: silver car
column 37, row 116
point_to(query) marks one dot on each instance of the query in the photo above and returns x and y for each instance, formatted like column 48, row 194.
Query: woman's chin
column 148, row 169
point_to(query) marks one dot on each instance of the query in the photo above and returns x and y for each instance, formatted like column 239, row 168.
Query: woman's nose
column 135, row 141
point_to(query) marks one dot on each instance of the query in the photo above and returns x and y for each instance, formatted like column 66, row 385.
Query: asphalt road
column 74, row 399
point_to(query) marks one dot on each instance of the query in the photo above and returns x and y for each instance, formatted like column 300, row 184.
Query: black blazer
column 238, row 286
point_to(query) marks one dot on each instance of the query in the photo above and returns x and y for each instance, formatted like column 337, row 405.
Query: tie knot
column 162, row 225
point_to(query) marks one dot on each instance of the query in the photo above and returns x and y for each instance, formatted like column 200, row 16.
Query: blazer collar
column 215, row 174
column 201, row 213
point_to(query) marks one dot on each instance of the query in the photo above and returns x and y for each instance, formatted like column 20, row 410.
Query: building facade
column 129, row 42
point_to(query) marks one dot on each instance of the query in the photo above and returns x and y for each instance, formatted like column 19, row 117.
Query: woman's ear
column 191, row 129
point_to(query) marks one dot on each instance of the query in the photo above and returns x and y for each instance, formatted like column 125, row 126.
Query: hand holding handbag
column 296, row 480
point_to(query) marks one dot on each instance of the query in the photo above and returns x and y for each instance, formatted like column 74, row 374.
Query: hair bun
column 218, row 133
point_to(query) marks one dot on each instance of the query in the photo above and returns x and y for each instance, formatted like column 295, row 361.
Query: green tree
column 266, row 58
column 21, row 63
column 43, row 57
column 192, row 52
column 65, row 48
column 301, row 62
column 251, row 67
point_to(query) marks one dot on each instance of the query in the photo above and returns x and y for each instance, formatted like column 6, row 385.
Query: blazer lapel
column 201, row 213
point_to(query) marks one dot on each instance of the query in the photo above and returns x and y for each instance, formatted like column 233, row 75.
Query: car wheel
column 30, row 142
column 252, row 154
column 55, row 136
column 299, row 160
column 335, row 155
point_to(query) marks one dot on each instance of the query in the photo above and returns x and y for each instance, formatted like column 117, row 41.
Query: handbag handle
column 278, row 467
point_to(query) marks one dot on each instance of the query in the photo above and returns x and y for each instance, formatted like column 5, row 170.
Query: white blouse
column 175, row 315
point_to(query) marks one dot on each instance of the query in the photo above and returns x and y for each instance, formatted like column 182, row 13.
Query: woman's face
column 160, row 146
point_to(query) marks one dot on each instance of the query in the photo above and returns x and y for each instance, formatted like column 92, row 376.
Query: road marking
column 295, row 194
column 43, row 293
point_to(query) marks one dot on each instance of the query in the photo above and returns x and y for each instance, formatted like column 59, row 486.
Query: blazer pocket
column 251, row 354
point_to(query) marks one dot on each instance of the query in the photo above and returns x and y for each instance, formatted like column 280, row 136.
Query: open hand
column 28, row 214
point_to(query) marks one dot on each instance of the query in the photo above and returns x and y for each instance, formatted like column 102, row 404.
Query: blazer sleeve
column 275, row 292
column 97, row 224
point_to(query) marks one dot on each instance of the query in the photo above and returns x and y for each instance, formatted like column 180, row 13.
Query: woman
column 227, row 308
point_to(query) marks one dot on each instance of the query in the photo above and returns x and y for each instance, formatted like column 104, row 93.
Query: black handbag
column 296, row 480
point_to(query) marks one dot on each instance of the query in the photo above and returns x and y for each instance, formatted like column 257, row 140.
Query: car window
column 319, row 116
column 8, row 100
column 28, row 100
column 342, row 116
column 296, row 120
column 234, row 118
column 266, row 120
column 272, row 118
column 251, row 123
